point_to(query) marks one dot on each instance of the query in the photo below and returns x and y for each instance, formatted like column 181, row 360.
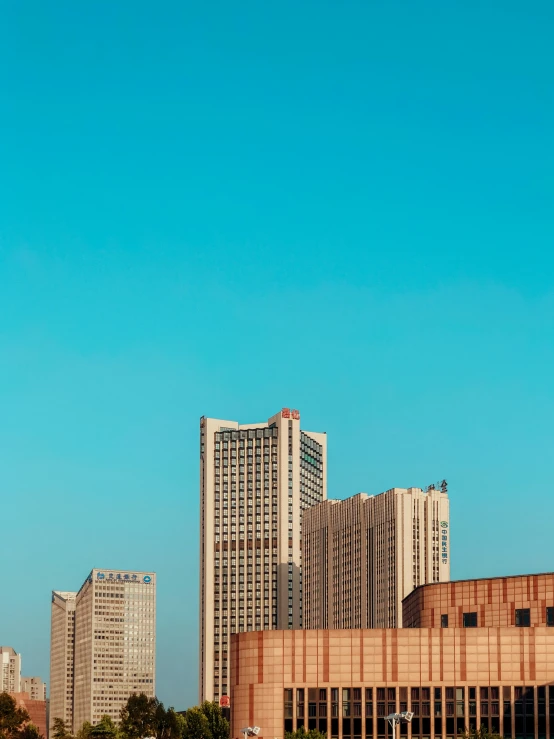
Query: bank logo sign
column 123, row 576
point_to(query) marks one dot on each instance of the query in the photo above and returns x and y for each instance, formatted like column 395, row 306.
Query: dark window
column 469, row 619
column 523, row 617
column 550, row 616
column 444, row 621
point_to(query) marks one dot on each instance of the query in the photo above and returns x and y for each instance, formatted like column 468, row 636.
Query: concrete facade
column 35, row 687
column 344, row 682
column 114, row 635
column 256, row 481
column 62, row 646
column 363, row 555
column 10, row 670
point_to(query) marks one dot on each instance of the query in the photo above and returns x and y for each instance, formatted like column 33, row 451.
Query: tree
column 12, row 718
column 106, row 729
column 30, row 731
column 219, row 726
column 301, row 733
column 138, row 716
column 168, row 724
column 84, row 731
column 481, row 733
column 60, row 729
column 197, row 725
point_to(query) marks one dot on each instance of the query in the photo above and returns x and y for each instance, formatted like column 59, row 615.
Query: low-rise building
column 35, row 686
column 35, row 708
column 345, row 682
column 519, row 600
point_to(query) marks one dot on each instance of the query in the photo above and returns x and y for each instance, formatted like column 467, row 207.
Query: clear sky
column 225, row 208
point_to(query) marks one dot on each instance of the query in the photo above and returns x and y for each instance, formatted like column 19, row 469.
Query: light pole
column 250, row 731
column 394, row 720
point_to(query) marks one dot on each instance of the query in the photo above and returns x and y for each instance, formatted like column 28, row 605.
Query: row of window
column 522, row 618
column 451, row 711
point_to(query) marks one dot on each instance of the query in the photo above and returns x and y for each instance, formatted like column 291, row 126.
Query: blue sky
column 223, row 209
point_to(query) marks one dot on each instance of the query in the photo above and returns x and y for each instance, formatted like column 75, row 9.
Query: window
column 523, row 617
column 444, row 621
column 550, row 616
column 469, row 619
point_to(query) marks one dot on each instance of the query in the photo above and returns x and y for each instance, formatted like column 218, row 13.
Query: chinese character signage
column 285, row 413
column 123, row 577
column 444, row 542
column 295, row 415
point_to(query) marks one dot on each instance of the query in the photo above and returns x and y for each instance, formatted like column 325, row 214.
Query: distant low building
column 35, row 686
column 35, row 708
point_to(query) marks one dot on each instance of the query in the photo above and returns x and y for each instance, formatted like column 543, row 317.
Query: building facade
column 10, row 675
column 62, row 646
column 114, row 644
column 256, row 480
column 35, row 707
column 35, row 687
column 520, row 600
column 363, row 555
column 345, row 682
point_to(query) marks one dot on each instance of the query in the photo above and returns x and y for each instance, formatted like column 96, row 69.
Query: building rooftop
column 478, row 579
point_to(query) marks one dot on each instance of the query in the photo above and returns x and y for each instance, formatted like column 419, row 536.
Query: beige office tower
column 35, row 687
column 114, row 645
column 255, row 481
column 363, row 555
column 10, row 676
column 62, row 635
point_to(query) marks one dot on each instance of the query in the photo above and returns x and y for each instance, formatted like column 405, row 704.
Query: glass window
column 523, row 617
column 550, row 616
column 444, row 621
column 469, row 619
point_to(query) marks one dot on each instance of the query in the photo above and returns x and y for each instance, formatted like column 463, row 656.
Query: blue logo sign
column 100, row 576
column 147, row 578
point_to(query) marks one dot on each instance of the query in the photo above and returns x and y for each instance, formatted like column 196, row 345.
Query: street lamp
column 394, row 720
column 250, row 731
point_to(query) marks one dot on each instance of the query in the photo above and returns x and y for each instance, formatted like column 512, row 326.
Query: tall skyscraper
column 10, row 664
column 255, row 482
column 363, row 555
column 62, row 643
column 114, row 636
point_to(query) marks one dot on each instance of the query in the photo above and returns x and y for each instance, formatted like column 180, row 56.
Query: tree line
column 147, row 717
